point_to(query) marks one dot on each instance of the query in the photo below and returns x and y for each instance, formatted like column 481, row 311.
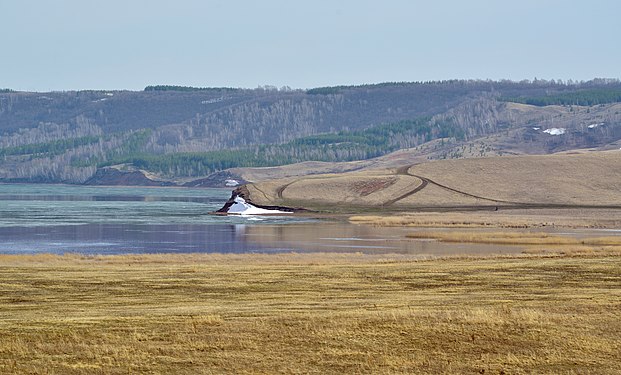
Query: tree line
column 342, row 146
column 187, row 88
column 582, row 97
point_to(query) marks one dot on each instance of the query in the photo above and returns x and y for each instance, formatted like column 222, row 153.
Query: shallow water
column 111, row 220
column 115, row 220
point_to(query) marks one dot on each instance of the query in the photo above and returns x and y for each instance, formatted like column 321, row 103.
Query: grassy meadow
column 309, row 313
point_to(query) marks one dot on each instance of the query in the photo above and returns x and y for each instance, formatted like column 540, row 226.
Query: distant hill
column 181, row 133
column 566, row 180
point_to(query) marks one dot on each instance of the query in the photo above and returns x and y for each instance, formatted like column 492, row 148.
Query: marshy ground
column 310, row 313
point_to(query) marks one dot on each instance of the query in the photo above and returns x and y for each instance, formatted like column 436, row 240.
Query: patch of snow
column 593, row 126
column 231, row 183
column 215, row 100
column 241, row 207
column 109, row 94
column 555, row 131
column 536, row 128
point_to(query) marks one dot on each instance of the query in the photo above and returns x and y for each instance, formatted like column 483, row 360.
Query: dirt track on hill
column 282, row 188
column 425, row 181
column 405, row 171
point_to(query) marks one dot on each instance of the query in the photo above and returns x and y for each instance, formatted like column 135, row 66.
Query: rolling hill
column 178, row 134
column 566, row 180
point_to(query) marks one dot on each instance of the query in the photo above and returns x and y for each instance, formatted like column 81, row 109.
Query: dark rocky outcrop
column 243, row 192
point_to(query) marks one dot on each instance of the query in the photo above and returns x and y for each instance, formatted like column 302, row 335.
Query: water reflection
column 344, row 237
column 123, row 239
column 227, row 238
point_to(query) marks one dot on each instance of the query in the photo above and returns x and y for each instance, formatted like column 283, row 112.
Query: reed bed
column 517, row 218
column 515, row 238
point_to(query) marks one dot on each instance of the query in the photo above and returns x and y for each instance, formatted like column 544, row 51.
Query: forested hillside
column 179, row 131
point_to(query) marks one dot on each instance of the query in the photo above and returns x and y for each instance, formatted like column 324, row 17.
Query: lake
column 124, row 220
column 115, row 220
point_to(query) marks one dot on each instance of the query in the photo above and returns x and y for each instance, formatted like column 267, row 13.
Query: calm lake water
column 111, row 220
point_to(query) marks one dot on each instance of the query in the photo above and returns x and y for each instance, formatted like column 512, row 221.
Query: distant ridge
column 180, row 133
column 188, row 88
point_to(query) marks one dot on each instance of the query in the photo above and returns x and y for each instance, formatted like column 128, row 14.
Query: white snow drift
column 555, row 131
column 241, row 207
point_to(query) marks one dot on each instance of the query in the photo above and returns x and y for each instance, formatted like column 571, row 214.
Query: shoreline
column 529, row 218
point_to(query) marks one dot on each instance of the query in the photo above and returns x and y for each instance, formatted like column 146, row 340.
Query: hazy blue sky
column 128, row 44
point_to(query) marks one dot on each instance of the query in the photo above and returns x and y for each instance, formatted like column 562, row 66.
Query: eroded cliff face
column 129, row 176
column 117, row 177
column 221, row 179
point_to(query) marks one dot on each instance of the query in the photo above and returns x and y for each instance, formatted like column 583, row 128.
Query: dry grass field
column 579, row 178
column 309, row 313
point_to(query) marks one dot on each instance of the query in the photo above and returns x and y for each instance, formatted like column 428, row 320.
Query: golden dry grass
column 434, row 220
column 525, row 218
column 518, row 238
column 535, row 242
column 300, row 313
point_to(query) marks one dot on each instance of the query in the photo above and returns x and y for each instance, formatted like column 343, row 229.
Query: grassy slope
column 561, row 179
column 308, row 313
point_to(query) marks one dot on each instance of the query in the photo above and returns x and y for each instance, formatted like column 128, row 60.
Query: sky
column 128, row 44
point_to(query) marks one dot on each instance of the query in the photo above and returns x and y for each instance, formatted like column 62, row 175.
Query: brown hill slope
column 560, row 180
